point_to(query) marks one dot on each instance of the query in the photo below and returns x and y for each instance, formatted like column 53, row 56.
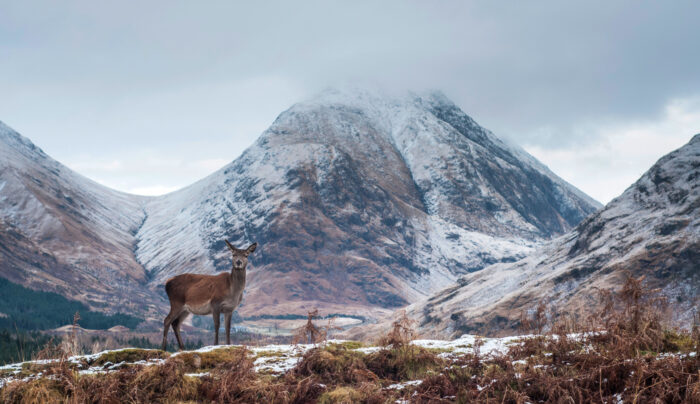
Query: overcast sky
column 148, row 97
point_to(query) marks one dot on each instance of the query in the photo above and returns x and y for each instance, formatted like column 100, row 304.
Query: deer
column 207, row 294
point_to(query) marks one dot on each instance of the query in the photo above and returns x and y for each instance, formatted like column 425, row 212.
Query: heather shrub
column 334, row 364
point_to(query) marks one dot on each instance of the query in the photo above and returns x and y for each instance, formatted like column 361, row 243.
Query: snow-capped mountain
column 652, row 229
column 62, row 232
column 360, row 202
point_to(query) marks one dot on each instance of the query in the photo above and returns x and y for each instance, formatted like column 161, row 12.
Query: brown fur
column 207, row 294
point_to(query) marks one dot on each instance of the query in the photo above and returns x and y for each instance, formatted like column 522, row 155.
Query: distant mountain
column 652, row 229
column 360, row 203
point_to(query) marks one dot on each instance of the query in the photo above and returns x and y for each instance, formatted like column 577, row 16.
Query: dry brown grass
column 627, row 354
column 163, row 383
column 203, row 361
column 235, row 381
column 370, row 393
column 333, row 364
column 37, row 391
column 399, row 360
column 402, row 332
column 408, row 362
column 630, row 356
column 129, row 355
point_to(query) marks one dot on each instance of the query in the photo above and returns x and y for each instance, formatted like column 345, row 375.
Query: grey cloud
column 110, row 74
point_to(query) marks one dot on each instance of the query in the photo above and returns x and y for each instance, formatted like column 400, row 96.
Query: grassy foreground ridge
column 628, row 357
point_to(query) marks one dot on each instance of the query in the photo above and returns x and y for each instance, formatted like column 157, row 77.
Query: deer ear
column 252, row 248
column 230, row 247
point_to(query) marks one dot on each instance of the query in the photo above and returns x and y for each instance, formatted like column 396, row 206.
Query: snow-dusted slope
column 60, row 231
column 359, row 201
column 652, row 229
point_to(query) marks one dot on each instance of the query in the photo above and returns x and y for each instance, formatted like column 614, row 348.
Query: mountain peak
column 10, row 137
column 367, row 97
column 12, row 145
column 387, row 112
column 433, row 97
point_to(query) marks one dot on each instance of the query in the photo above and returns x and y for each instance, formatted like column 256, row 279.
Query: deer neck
column 237, row 278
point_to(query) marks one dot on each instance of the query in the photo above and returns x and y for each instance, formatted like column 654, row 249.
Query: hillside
column 64, row 233
column 361, row 201
column 651, row 230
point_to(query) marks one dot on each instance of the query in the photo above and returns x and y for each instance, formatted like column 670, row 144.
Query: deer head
column 240, row 257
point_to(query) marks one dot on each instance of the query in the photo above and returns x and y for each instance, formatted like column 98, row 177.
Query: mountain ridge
column 304, row 165
column 360, row 202
column 63, row 232
column 652, row 229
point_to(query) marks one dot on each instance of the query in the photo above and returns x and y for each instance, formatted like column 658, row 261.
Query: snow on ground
column 271, row 359
column 278, row 359
column 399, row 386
column 467, row 343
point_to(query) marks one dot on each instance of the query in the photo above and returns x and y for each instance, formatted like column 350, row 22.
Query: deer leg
column 217, row 318
column 176, row 327
column 166, row 325
column 227, row 324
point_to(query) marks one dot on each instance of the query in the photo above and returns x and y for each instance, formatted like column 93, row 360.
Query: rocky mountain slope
column 359, row 200
column 360, row 203
column 652, row 229
column 62, row 232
